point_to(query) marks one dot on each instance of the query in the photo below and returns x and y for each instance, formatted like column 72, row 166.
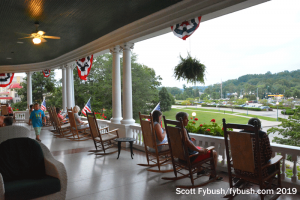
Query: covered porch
column 92, row 177
column 106, row 177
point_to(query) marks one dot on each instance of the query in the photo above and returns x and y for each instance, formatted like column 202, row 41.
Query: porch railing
column 219, row 144
column 20, row 115
column 289, row 153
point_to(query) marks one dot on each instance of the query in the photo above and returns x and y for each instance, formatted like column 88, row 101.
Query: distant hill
column 286, row 82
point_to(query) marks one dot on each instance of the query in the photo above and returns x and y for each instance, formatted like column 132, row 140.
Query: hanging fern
column 190, row 69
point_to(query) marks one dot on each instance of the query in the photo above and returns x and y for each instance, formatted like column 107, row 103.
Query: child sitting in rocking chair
column 203, row 153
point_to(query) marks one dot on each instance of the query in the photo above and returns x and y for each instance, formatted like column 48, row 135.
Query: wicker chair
column 53, row 167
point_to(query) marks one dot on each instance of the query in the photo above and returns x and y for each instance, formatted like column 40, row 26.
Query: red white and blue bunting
column 84, row 66
column 46, row 72
column 6, row 79
column 186, row 28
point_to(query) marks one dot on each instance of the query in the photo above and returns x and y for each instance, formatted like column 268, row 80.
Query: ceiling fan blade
column 51, row 37
column 25, row 37
column 43, row 40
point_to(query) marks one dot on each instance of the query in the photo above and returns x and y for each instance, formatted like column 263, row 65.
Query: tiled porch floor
column 105, row 177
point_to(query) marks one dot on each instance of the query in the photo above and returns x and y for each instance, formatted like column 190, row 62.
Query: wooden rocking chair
column 158, row 158
column 102, row 137
column 4, row 109
column 63, row 130
column 181, row 158
column 51, row 118
column 78, row 134
column 240, row 156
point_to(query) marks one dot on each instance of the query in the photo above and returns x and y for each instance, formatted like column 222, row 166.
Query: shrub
column 207, row 129
column 288, row 112
column 100, row 116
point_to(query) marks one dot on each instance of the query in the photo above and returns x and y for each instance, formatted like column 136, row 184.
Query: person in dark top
column 265, row 151
column 8, row 121
column 203, row 153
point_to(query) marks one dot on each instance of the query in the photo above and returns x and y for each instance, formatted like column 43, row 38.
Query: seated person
column 60, row 117
column 8, row 121
column 80, row 124
column 30, row 109
column 265, row 151
column 161, row 135
column 10, row 111
column 203, row 153
column 2, row 121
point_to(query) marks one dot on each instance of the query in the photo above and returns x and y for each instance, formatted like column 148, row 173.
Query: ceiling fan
column 39, row 36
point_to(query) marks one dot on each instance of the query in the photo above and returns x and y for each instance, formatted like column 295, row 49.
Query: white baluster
column 222, row 153
column 295, row 171
column 283, row 175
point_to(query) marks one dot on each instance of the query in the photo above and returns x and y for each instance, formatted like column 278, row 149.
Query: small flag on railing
column 157, row 107
column 43, row 106
column 87, row 108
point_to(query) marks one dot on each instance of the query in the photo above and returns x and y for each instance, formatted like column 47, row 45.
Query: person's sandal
column 202, row 172
column 39, row 140
column 219, row 178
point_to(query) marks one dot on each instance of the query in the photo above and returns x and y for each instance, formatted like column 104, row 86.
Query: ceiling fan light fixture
column 40, row 32
column 36, row 40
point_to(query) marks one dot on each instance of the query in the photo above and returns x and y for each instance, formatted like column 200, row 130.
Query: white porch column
column 72, row 81
column 69, row 86
column 29, row 88
column 64, row 88
column 116, row 86
column 127, row 85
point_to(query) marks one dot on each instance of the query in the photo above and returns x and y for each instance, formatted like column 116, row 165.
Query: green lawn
column 205, row 117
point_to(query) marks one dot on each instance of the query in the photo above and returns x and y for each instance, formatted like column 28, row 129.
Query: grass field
column 205, row 115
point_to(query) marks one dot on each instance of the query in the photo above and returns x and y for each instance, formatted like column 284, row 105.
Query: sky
column 255, row 40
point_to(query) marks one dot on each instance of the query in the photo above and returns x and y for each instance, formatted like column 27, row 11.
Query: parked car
column 266, row 108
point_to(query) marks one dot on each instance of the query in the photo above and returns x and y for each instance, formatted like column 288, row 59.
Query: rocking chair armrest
column 162, row 144
column 210, row 148
column 196, row 154
column 101, row 129
column 273, row 161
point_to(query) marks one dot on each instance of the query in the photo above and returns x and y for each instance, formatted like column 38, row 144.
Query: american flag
column 43, row 106
column 157, row 107
column 87, row 108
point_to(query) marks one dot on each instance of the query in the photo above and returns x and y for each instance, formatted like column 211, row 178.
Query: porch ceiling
column 88, row 27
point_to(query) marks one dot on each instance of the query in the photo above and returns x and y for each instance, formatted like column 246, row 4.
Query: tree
column 99, row 87
column 55, row 99
column 41, row 86
column 290, row 130
column 165, row 100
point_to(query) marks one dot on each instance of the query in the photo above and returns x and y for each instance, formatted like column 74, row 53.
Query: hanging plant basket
column 190, row 69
